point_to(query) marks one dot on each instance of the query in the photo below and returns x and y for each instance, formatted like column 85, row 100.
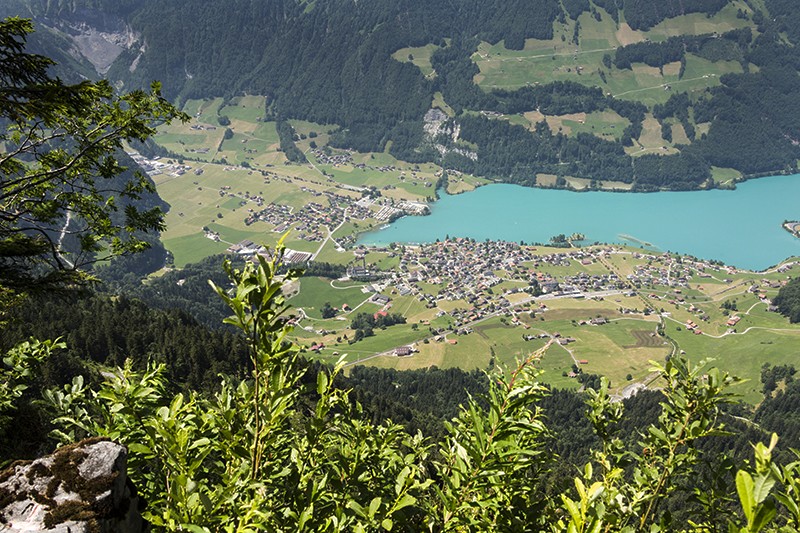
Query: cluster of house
column 388, row 212
column 382, row 168
column 468, row 270
column 245, row 197
column 691, row 326
column 469, row 266
column 309, row 221
column 663, row 271
column 384, row 209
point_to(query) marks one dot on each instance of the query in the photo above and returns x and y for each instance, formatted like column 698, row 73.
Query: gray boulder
column 81, row 488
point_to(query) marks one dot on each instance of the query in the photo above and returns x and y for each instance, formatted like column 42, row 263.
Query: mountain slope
column 734, row 79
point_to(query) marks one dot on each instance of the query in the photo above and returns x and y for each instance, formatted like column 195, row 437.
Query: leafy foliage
column 253, row 457
column 60, row 201
column 18, row 365
column 243, row 460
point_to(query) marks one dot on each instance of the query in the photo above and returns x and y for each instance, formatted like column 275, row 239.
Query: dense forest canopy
column 331, row 62
column 788, row 300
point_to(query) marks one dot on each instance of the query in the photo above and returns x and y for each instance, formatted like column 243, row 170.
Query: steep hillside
column 702, row 93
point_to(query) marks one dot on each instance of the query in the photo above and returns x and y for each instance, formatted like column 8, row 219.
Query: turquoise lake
column 740, row 227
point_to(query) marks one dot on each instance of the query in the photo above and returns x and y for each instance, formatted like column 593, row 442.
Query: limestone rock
column 81, row 488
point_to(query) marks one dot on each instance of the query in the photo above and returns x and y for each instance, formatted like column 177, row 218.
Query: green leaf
column 572, row 509
column 762, row 486
column 595, row 491
column 387, row 524
column 135, row 447
column 305, row 516
column 744, row 486
column 764, row 516
column 322, row 382
column 355, row 506
column 199, row 443
column 405, row 501
column 206, row 501
column 374, row 505
column 401, row 480
column 194, row 529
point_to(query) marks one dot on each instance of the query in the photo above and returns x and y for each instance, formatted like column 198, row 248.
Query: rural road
column 330, row 234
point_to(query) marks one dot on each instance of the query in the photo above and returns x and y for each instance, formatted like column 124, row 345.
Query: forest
column 788, row 300
column 346, row 75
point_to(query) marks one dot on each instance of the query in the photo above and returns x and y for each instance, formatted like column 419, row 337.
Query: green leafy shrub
column 280, row 451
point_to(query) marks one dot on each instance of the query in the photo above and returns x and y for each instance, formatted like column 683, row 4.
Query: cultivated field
column 220, row 174
column 621, row 348
column 226, row 165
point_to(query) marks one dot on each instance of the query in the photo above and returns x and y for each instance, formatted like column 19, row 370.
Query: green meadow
column 212, row 194
column 315, row 292
column 621, row 349
column 419, row 56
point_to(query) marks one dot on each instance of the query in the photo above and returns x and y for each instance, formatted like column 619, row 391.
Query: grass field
column 456, row 184
column 622, row 347
column 698, row 23
column 560, row 59
column 419, row 56
column 314, row 292
column 725, row 176
column 607, row 124
column 192, row 248
column 248, row 109
column 650, row 141
column 438, row 101
column 744, row 354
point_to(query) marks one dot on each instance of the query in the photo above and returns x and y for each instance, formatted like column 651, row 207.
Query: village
column 491, row 278
column 605, row 309
column 314, row 221
column 461, row 293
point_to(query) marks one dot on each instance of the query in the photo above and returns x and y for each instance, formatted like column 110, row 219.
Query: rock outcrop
column 81, row 488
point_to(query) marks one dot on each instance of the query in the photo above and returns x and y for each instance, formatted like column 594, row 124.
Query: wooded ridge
column 334, row 62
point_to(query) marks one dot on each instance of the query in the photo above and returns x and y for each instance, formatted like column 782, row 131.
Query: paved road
column 330, row 234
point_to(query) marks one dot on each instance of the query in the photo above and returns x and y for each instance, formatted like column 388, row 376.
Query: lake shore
column 722, row 225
